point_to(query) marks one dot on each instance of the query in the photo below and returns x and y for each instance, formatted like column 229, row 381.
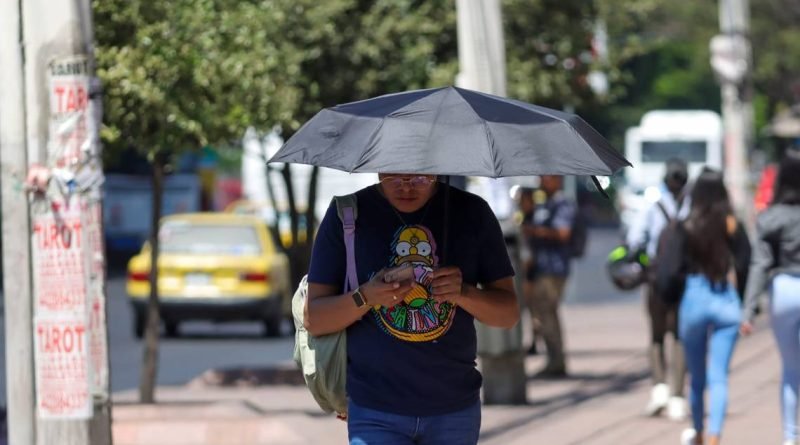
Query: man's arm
column 327, row 311
column 560, row 234
column 494, row 304
column 560, row 226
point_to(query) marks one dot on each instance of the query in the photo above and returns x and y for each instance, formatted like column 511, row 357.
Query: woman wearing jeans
column 778, row 255
column 707, row 260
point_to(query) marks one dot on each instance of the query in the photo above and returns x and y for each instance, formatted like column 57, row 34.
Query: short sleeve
column 328, row 263
column 565, row 216
column 493, row 263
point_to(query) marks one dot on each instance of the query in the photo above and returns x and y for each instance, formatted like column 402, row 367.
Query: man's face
column 407, row 192
column 526, row 202
column 551, row 183
column 675, row 181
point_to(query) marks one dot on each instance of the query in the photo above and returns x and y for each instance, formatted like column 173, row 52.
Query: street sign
column 98, row 342
column 61, row 277
column 729, row 57
column 62, row 368
column 71, row 111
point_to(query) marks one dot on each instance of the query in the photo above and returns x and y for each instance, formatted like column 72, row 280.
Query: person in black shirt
column 412, row 344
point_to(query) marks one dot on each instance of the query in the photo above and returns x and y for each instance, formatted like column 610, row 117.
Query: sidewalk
column 601, row 403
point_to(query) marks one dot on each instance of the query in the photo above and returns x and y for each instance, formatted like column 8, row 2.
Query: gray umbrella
column 450, row 131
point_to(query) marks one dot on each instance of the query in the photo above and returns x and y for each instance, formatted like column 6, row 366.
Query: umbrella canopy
column 450, row 131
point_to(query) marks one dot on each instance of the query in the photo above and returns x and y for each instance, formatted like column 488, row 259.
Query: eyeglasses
column 415, row 182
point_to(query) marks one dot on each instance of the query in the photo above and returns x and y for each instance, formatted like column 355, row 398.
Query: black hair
column 677, row 171
column 787, row 184
column 707, row 226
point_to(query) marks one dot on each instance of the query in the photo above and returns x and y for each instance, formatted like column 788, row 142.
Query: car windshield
column 225, row 239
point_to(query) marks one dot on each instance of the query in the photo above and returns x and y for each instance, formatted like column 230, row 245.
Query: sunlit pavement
column 601, row 403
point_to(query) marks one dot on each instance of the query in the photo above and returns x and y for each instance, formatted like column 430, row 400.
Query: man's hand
column 379, row 293
column 447, row 284
column 746, row 328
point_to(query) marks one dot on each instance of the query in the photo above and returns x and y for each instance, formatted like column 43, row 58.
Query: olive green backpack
column 323, row 359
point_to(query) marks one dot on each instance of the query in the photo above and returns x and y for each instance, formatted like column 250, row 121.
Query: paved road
column 205, row 345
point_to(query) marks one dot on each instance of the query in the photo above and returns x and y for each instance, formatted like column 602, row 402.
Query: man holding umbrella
column 430, row 259
column 411, row 343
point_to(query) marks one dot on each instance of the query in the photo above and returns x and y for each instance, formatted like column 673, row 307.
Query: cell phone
column 402, row 272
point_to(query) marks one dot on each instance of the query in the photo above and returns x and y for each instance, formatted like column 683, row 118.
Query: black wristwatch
column 358, row 297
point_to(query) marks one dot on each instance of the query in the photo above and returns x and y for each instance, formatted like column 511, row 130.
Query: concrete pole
column 16, row 232
column 482, row 67
column 54, row 29
column 737, row 107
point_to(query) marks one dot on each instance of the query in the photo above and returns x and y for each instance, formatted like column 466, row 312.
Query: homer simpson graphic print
column 418, row 317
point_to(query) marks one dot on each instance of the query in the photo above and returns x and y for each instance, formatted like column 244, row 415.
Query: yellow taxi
column 213, row 266
column 267, row 213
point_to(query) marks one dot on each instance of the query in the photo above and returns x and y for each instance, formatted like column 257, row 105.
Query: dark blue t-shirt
column 553, row 257
column 418, row 358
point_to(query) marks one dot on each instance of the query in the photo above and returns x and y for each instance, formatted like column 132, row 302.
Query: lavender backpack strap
column 347, row 208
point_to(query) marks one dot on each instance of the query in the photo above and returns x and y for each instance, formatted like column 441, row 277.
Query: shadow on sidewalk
column 599, row 352
column 617, row 383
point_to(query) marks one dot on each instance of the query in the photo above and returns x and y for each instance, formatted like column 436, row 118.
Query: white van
column 692, row 135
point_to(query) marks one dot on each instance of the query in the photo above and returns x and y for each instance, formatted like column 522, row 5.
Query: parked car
column 213, row 266
column 267, row 214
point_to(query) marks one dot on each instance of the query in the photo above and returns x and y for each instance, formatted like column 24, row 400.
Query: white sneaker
column 790, row 442
column 677, row 409
column 688, row 436
column 659, row 396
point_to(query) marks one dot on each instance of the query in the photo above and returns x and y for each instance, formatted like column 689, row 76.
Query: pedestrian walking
column 644, row 234
column 704, row 269
column 776, row 263
column 549, row 232
column 411, row 340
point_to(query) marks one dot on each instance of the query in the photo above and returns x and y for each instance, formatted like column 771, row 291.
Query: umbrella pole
column 446, row 219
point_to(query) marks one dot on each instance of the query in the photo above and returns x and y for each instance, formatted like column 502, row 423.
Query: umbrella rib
column 433, row 124
column 492, row 147
column 509, row 101
column 544, row 111
column 489, row 135
column 360, row 158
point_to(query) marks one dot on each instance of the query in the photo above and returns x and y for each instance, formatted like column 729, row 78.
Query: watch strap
column 358, row 297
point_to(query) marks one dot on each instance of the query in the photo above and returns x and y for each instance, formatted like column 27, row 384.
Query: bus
column 695, row 136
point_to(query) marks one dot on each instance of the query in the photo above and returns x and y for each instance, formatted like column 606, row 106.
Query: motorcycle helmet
column 627, row 271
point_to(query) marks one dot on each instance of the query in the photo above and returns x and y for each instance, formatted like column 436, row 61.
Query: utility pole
column 731, row 60
column 16, row 228
column 482, row 60
column 56, row 340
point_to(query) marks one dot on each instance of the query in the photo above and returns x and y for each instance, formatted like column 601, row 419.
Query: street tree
column 182, row 74
column 351, row 50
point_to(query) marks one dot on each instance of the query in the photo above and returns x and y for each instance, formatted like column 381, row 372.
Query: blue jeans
column 370, row 427
column 785, row 314
column 708, row 325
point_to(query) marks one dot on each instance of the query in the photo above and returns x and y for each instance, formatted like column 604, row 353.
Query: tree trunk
column 311, row 219
column 150, row 362
column 293, row 218
column 274, row 228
